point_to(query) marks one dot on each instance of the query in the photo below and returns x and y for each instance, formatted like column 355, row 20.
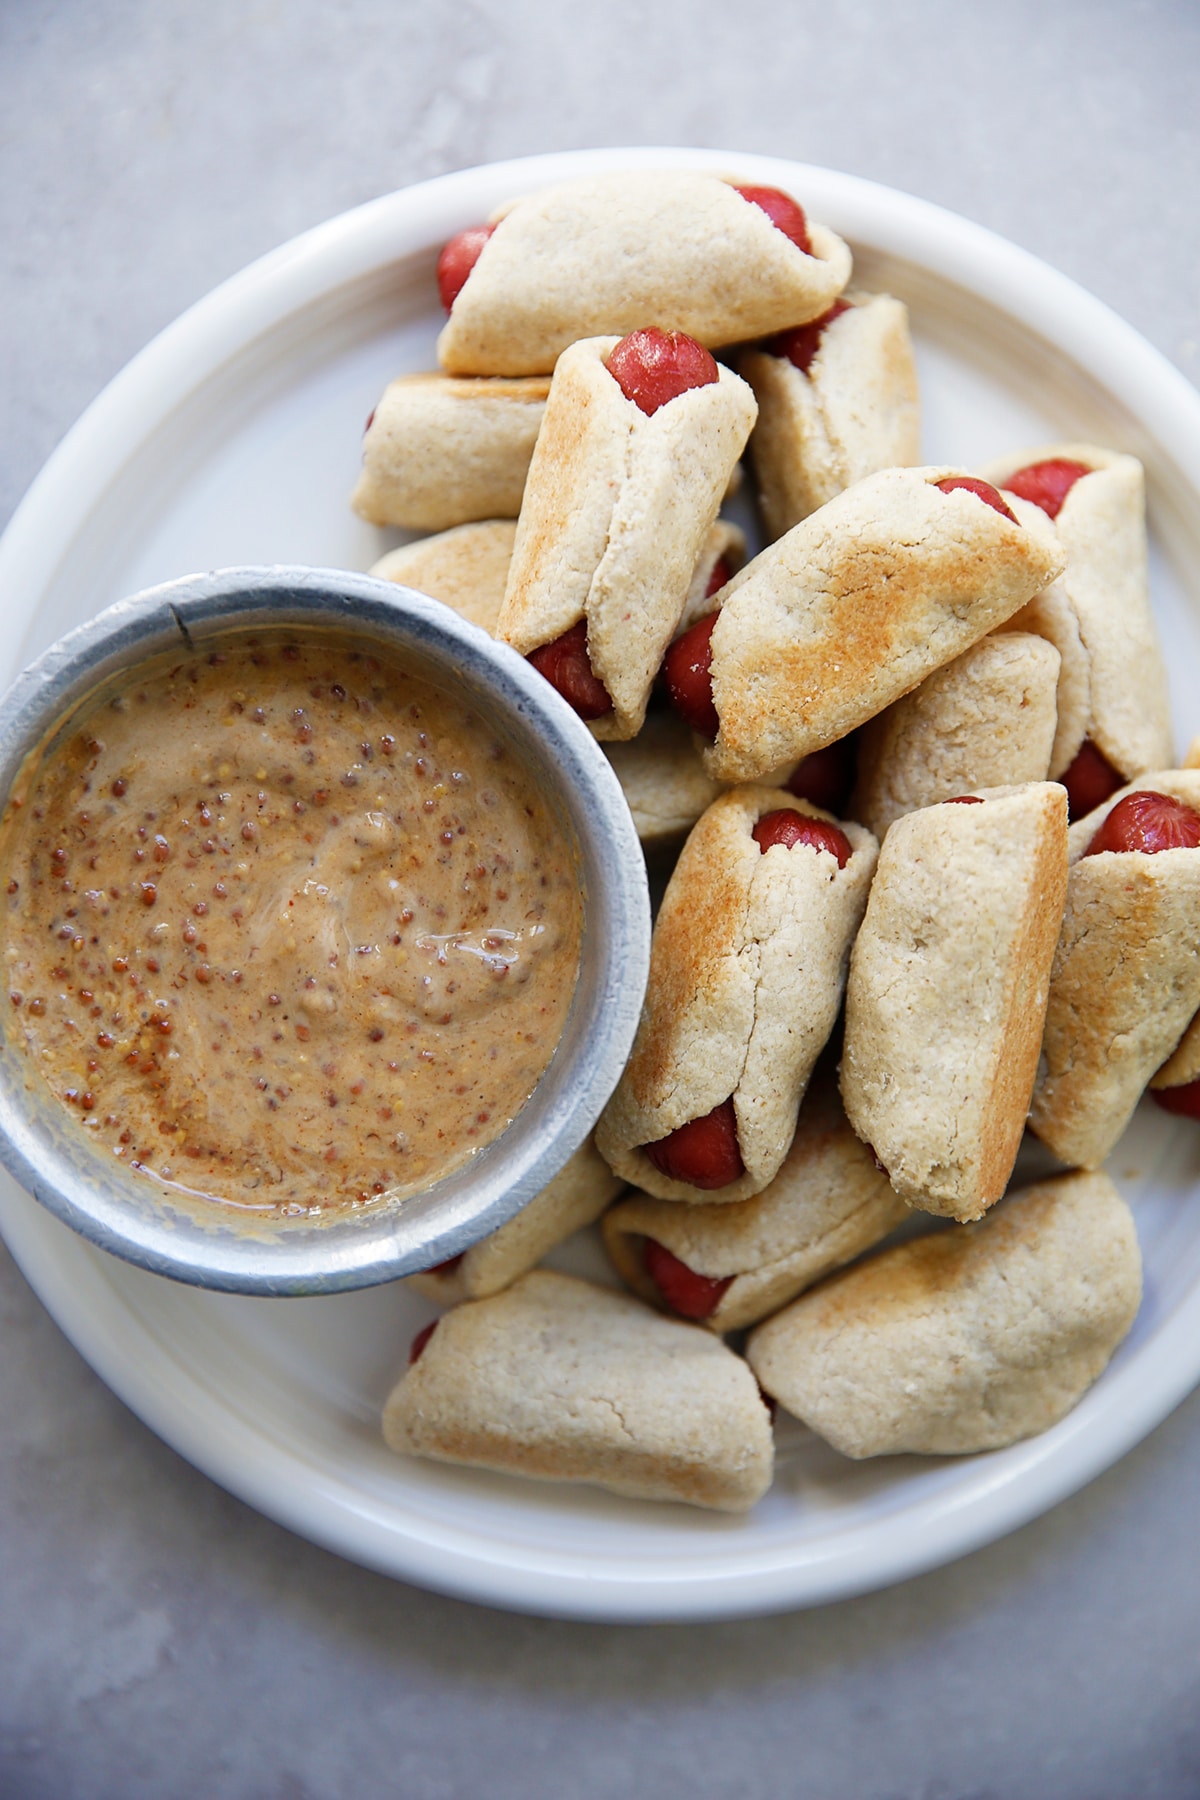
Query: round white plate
column 234, row 438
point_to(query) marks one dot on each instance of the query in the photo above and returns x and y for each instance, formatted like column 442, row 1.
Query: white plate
column 234, row 438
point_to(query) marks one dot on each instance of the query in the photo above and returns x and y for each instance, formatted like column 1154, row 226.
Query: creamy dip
column 287, row 926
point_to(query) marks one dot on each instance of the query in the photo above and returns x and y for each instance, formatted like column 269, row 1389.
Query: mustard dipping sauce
column 286, row 926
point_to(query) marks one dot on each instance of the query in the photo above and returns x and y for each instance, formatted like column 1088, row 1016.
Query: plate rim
column 113, row 1338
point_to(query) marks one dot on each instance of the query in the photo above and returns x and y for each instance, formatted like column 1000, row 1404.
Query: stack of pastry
column 939, row 880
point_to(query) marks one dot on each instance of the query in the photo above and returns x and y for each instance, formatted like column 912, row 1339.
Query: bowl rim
column 47, row 1152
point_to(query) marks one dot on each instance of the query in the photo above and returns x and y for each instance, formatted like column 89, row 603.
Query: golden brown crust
column 855, row 607
column 610, row 253
column 465, row 568
column 965, row 1340
column 440, row 451
column 948, row 989
column 563, row 1381
column 747, row 968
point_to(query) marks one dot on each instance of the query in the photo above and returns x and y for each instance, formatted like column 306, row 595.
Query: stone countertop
column 157, row 1638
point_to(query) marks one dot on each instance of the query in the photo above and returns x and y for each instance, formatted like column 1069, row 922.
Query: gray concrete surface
column 157, row 1638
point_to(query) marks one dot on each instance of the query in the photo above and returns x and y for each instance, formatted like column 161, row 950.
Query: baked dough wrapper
column 747, row 970
column 828, row 1203
column 1125, row 984
column 726, row 542
column 466, row 568
column 1116, row 695
column 855, row 607
column 576, row 1197
column 612, row 253
column 563, row 1381
column 617, row 509
column 663, row 778
column 854, row 411
column 967, row 1339
column 947, row 994
column 441, row 452
column 1183, row 1066
column 985, row 720
column 660, row 771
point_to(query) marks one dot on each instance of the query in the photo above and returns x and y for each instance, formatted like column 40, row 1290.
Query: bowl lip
column 338, row 1255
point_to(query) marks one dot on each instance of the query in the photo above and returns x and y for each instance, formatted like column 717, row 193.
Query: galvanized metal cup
column 125, row 1212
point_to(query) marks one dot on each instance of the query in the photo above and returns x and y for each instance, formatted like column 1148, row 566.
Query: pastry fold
column 441, row 452
column 465, row 567
column 985, row 720
column 663, row 778
column 1125, row 984
column 563, row 1381
column 611, row 253
column 1051, row 615
column 747, row 970
column 661, row 771
column 1182, row 1067
column 576, row 1197
column 828, row 1203
column 1101, row 529
column 855, row 410
column 617, row 510
column 725, row 543
column 856, row 606
column 965, row 1340
column 947, row 992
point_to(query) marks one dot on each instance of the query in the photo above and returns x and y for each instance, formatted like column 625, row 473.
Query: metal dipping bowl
column 128, row 1213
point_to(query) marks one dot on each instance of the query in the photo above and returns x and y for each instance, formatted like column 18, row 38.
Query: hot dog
column 618, row 507
column 1114, row 721
column 606, row 254
column 660, row 771
column 733, row 1265
column 852, row 609
column 747, row 967
column 1126, row 979
column 837, row 400
column 826, row 777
